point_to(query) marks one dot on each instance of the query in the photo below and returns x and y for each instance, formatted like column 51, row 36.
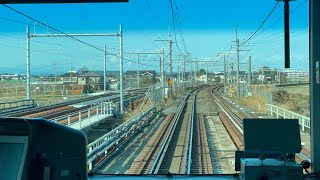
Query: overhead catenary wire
column 263, row 22
column 279, row 19
column 174, row 26
column 179, row 26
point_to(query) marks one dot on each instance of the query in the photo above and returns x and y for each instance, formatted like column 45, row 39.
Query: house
column 14, row 77
column 202, row 78
column 243, row 76
column 113, row 85
column 70, row 77
column 297, row 76
column 146, row 77
column 92, row 78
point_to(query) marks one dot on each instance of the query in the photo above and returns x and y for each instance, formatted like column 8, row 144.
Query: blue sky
column 208, row 27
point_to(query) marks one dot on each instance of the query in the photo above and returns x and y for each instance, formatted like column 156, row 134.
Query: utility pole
column 178, row 78
column 70, row 71
column 279, row 76
column 28, row 64
column 179, row 74
column 249, row 75
column 249, row 72
column 170, row 51
column 224, row 73
column 184, row 72
column 121, row 71
column 230, row 74
column 262, row 75
column 138, row 73
column 191, row 74
column 196, row 70
column 105, row 69
column 170, row 56
column 54, row 66
column 238, row 64
column 162, row 72
column 232, row 78
column 207, row 73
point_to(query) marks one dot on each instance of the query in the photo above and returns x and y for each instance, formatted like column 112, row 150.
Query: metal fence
column 286, row 114
column 85, row 118
column 102, row 145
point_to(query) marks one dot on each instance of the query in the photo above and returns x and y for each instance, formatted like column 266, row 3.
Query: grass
column 256, row 103
column 298, row 100
column 304, row 90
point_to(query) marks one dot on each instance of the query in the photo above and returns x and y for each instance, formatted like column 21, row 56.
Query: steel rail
column 157, row 162
column 191, row 134
column 159, row 158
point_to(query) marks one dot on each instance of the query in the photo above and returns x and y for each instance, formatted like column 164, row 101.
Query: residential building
column 297, row 76
column 146, row 77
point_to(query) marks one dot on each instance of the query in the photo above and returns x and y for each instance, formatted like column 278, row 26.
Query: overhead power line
column 174, row 26
column 278, row 20
column 272, row 10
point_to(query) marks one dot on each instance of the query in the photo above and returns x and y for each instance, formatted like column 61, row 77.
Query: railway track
column 201, row 161
column 60, row 110
column 143, row 163
column 117, row 155
column 232, row 119
column 180, row 145
column 52, row 107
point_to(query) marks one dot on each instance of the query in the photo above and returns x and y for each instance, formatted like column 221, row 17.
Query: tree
column 283, row 77
column 83, row 70
column 217, row 78
column 202, row 71
column 280, row 96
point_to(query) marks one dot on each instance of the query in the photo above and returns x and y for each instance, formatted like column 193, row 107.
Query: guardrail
column 85, row 118
column 283, row 113
column 101, row 145
column 15, row 105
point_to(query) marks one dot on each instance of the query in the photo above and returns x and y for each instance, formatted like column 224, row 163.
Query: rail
column 157, row 162
column 283, row 113
column 191, row 134
column 23, row 112
column 188, row 151
column 234, row 118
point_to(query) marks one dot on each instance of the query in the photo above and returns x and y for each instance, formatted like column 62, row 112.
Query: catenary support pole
column 28, row 64
column 162, row 73
column 121, row 70
column 105, row 69
column 138, row 71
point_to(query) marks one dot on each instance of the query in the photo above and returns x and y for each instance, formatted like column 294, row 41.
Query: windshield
column 159, row 87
